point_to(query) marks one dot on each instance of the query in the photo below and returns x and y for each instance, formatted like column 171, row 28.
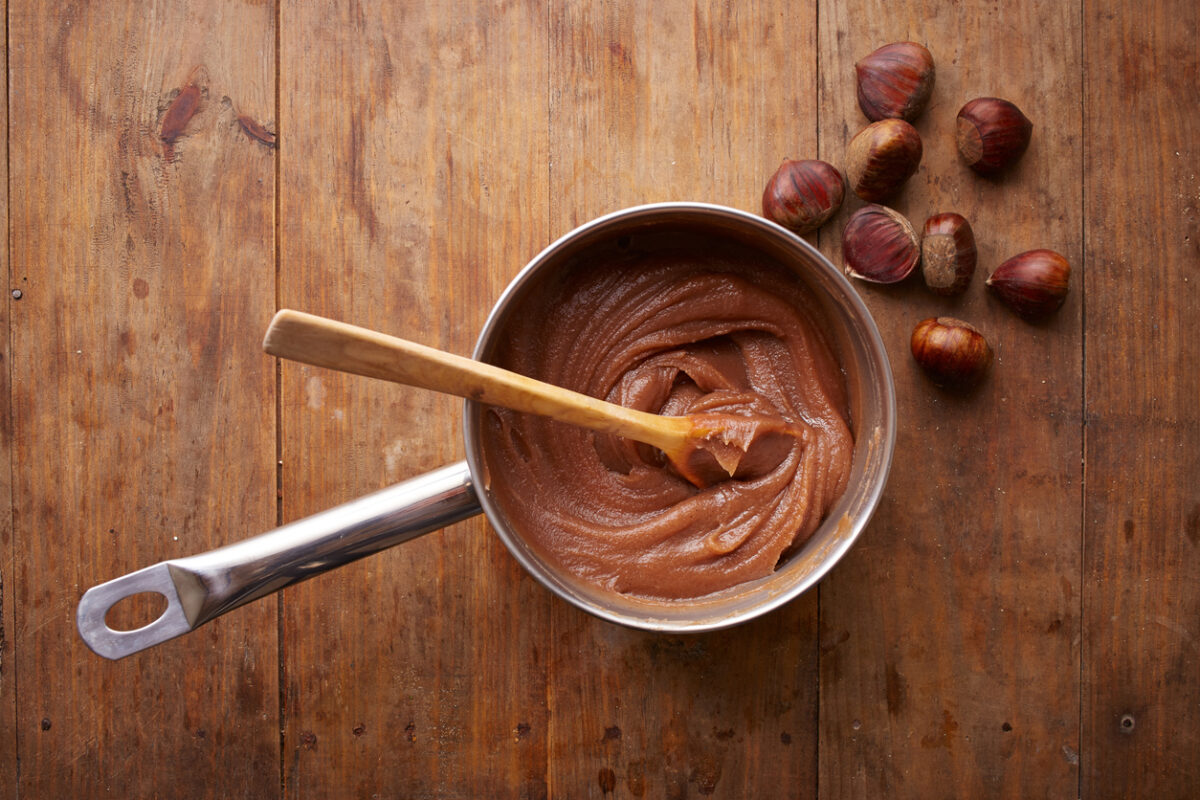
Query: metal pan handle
column 202, row 587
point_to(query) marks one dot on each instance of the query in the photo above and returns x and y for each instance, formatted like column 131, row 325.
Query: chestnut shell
column 948, row 254
column 992, row 134
column 895, row 81
column 881, row 157
column 954, row 354
column 879, row 245
column 1034, row 283
column 802, row 195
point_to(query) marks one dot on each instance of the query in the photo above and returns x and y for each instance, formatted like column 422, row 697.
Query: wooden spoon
column 690, row 443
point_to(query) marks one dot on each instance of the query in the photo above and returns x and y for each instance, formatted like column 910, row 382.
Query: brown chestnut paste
column 735, row 340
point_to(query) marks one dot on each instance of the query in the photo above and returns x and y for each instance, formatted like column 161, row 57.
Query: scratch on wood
column 459, row 135
column 255, row 130
column 360, row 201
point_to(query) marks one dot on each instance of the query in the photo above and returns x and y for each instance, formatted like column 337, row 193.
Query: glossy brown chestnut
column 879, row 245
column 881, row 157
column 803, row 195
column 948, row 254
column 953, row 353
column 895, row 81
column 1033, row 283
column 992, row 134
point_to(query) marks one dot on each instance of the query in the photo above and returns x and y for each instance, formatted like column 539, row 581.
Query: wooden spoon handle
column 336, row 345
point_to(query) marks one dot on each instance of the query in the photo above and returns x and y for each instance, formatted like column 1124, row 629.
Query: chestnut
column 992, row 134
column 953, row 353
column 803, row 195
column 948, row 254
column 895, row 81
column 1033, row 283
column 881, row 157
column 879, row 245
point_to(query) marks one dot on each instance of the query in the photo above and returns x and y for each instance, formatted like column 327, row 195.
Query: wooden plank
column 1141, row 687
column 141, row 236
column 412, row 189
column 950, row 660
column 8, row 689
column 651, row 104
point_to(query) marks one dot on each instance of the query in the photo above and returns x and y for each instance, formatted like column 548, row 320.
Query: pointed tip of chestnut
column 1034, row 283
column 948, row 254
column 895, row 81
column 953, row 354
column 879, row 245
column 802, row 195
column 881, row 158
column 992, row 134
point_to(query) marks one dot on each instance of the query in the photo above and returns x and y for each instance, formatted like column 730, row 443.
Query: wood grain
column 950, row 635
column 413, row 185
column 1020, row 620
column 651, row 102
column 1141, row 510
column 8, row 688
column 141, row 238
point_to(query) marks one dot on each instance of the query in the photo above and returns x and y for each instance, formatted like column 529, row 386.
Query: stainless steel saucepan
column 202, row 587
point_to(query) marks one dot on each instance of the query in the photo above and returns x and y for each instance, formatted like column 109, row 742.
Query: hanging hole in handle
column 136, row 611
column 90, row 617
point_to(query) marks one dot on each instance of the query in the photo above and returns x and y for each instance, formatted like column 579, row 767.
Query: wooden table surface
column 1020, row 619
